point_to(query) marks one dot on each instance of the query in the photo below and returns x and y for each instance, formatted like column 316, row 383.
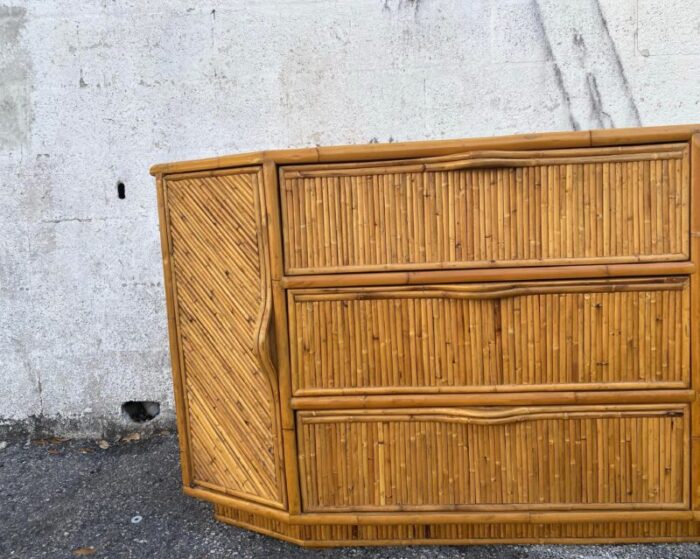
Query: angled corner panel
column 222, row 305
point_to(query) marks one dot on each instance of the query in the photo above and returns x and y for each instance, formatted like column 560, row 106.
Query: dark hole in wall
column 140, row 411
column 121, row 190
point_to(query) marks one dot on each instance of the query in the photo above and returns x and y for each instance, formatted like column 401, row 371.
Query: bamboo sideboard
column 461, row 341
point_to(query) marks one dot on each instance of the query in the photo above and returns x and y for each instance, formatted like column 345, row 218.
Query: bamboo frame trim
column 452, row 517
column 362, row 397
column 339, row 535
column 401, row 150
column 495, row 508
column 279, row 297
column 493, row 290
column 558, row 517
column 358, row 394
column 489, row 265
column 487, row 163
column 240, row 495
column 262, row 348
column 323, row 544
column 694, row 322
column 488, row 275
column 494, row 399
column 178, row 371
column 492, row 417
column 534, row 517
column 248, row 170
column 490, row 159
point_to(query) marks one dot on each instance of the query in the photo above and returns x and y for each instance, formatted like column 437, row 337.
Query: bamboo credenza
column 461, row 341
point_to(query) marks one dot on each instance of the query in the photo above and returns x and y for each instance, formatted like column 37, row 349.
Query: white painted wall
column 95, row 91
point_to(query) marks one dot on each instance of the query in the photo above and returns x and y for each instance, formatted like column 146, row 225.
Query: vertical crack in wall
column 40, row 390
column 26, row 341
column 566, row 98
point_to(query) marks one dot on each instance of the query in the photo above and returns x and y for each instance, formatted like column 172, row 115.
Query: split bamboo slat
column 462, row 341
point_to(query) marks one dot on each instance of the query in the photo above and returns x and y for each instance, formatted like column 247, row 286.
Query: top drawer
column 484, row 209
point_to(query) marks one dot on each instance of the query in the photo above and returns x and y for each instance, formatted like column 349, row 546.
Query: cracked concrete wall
column 94, row 91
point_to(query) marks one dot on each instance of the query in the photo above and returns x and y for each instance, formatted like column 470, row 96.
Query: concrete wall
column 94, row 91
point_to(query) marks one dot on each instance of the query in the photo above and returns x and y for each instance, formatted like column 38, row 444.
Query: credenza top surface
column 400, row 150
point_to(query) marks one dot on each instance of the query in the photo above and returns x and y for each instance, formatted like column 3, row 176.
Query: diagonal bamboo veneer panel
column 221, row 291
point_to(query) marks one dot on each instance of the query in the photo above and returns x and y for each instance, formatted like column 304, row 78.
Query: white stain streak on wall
column 93, row 92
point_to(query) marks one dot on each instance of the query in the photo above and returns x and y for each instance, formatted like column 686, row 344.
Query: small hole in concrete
column 121, row 190
column 140, row 412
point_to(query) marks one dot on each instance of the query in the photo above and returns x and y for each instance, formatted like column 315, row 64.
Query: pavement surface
column 66, row 499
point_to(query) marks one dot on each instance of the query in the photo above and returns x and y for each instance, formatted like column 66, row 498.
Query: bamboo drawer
column 587, row 457
column 604, row 334
column 462, row 341
column 606, row 205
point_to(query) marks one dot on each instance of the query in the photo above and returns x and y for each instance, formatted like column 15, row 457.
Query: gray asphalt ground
column 65, row 499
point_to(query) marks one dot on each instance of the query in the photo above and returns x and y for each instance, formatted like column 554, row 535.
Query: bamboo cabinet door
column 219, row 289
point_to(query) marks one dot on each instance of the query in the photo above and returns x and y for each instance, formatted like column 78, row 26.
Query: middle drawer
column 544, row 335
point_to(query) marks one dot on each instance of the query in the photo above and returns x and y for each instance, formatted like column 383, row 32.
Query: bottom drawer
column 561, row 458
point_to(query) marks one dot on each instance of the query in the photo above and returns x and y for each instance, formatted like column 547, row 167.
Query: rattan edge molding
column 401, row 150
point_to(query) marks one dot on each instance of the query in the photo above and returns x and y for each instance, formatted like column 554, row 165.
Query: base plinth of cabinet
column 336, row 535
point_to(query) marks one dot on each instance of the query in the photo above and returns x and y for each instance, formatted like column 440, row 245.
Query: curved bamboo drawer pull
column 499, row 291
column 501, row 159
column 493, row 159
column 482, row 416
